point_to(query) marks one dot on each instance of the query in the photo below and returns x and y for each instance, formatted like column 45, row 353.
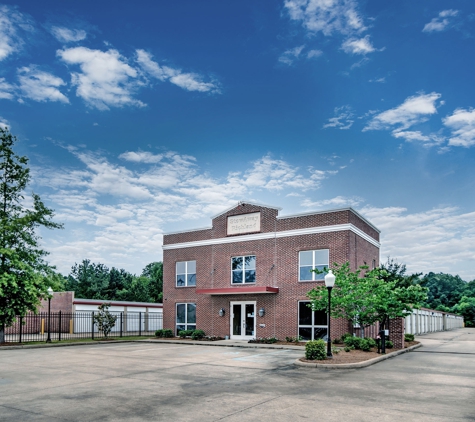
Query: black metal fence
column 57, row 326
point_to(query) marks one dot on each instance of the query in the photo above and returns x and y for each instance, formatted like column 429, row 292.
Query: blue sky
column 150, row 117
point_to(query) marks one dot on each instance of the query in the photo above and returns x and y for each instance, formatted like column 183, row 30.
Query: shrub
column 185, row 333
column 353, row 342
column 349, row 349
column 197, row 334
column 159, row 333
column 408, row 337
column 167, row 333
column 342, row 339
column 365, row 345
column 371, row 342
column 315, row 350
column 289, row 339
column 389, row 344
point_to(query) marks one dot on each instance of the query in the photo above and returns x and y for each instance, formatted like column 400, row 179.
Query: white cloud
column 462, row 124
column 274, row 175
column 326, row 16
column 40, row 86
column 358, row 46
column 441, row 22
column 116, row 213
column 313, row 54
column 4, row 124
column 337, row 202
column 6, row 90
column 106, row 80
column 12, row 24
column 410, row 135
column 187, row 81
column 343, row 118
column 66, row 35
column 141, row 157
column 438, row 240
column 289, row 56
column 415, row 109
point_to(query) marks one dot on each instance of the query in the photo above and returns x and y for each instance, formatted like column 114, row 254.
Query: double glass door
column 243, row 320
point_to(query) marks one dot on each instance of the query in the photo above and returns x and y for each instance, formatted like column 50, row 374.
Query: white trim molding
column 272, row 235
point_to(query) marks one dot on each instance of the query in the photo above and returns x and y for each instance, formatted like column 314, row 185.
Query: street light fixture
column 50, row 292
column 329, row 282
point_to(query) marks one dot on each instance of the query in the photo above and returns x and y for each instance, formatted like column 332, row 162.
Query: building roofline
column 79, row 301
column 327, row 212
column 189, row 230
column 244, row 203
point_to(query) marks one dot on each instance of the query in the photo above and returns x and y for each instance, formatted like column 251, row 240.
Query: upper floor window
column 186, row 273
column 243, row 269
column 310, row 260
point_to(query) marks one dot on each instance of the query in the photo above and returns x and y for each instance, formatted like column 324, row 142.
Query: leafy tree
column 96, row 281
column 89, row 280
column 466, row 308
column 366, row 298
column 444, row 289
column 394, row 271
column 154, row 271
column 104, row 319
column 24, row 274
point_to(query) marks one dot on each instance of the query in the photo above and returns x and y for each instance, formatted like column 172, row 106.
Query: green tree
column 154, row 271
column 24, row 274
column 394, row 271
column 365, row 297
column 89, row 280
column 104, row 319
column 466, row 308
column 444, row 289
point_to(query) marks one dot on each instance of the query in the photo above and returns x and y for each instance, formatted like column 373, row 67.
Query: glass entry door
column 243, row 320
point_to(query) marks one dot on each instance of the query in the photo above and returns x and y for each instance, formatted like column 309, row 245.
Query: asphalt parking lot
column 169, row 382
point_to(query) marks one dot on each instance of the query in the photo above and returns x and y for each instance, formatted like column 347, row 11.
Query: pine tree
column 24, row 274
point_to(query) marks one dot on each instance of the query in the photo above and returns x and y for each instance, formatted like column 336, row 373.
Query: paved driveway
column 169, row 382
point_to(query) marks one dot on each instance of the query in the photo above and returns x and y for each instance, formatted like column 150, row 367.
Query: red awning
column 247, row 290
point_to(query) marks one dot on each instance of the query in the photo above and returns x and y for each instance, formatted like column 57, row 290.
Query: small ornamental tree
column 366, row 298
column 104, row 319
column 24, row 274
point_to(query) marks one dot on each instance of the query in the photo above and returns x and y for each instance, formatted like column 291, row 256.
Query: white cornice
column 272, row 235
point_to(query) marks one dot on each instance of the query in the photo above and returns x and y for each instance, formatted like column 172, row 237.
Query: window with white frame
column 185, row 316
column 186, row 273
column 243, row 269
column 311, row 260
column 312, row 324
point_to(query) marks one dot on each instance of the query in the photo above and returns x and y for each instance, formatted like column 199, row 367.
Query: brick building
column 248, row 274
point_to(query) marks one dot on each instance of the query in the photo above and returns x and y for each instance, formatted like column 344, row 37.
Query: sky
column 142, row 118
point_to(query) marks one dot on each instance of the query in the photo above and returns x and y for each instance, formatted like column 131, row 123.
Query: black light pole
column 329, row 282
column 50, row 292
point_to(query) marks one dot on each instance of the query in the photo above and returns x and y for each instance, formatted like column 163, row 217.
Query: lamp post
column 50, row 292
column 329, row 282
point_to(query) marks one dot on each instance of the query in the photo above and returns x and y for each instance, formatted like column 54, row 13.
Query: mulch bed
column 355, row 356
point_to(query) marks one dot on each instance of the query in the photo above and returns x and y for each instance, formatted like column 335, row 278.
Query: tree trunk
column 2, row 333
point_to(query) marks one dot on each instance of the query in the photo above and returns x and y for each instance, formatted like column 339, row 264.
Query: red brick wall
column 277, row 264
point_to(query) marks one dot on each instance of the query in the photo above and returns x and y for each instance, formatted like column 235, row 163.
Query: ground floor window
column 185, row 316
column 312, row 324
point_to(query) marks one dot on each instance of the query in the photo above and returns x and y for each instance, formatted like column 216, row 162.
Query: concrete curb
column 358, row 364
column 220, row 344
column 79, row 343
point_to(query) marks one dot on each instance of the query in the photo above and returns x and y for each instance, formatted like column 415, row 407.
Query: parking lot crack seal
column 249, row 407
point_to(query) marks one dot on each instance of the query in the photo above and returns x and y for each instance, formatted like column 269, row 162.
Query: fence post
column 121, row 322
column 60, row 327
column 140, row 323
column 21, row 328
column 92, row 325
